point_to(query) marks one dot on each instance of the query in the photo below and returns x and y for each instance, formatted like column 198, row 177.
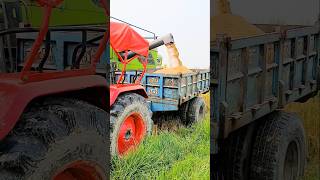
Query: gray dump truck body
column 252, row 77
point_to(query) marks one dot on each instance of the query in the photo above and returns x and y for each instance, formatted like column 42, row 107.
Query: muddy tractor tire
column 279, row 149
column 236, row 154
column 196, row 110
column 130, row 123
column 56, row 139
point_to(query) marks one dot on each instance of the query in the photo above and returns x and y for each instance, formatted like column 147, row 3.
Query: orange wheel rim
column 132, row 132
column 80, row 170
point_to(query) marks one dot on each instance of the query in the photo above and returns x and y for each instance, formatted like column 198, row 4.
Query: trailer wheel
column 183, row 112
column 279, row 151
column 56, row 139
column 130, row 119
column 235, row 159
column 196, row 110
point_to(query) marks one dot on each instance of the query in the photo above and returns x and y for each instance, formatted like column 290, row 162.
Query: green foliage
column 184, row 154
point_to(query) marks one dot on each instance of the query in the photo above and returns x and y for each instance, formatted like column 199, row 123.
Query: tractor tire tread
column 118, row 109
column 268, row 141
column 42, row 125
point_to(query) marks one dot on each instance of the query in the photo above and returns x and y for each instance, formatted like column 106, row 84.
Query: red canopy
column 123, row 38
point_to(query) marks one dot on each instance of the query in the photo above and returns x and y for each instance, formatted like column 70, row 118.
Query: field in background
column 206, row 98
column 310, row 113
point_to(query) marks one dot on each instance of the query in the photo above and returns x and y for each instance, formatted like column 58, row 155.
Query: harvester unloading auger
column 175, row 63
column 136, row 48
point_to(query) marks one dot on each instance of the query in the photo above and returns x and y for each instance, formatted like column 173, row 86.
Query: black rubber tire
column 274, row 135
column 196, row 110
column 51, row 134
column 236, row 152
column 318, row 78
column 183, row 112
column 213, row 167
column 126, row 104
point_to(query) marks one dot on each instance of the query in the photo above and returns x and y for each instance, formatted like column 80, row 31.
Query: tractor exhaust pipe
column 167, row 39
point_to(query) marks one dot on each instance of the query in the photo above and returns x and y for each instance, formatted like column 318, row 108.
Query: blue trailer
column 169, row 92
column 252, row 79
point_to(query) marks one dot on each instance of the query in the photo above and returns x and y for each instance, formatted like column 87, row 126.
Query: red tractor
column 54, row 124
column 130, row 114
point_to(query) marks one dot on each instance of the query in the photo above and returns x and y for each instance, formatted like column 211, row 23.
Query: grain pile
column 222, row 7
column 175, row 63
column 232, row 25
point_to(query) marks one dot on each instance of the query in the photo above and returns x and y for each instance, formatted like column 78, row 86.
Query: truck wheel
column 279, row 150
column 56, row 139
column 130, row 122
column 236, row 154
column 196, row 110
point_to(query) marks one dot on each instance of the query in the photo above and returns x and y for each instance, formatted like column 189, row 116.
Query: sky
column 187, row 20
column 295, row 12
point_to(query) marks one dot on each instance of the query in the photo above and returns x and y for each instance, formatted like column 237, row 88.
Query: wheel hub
column 80, row 170
column 201, row 112
column 128, row 134
column 132, row 132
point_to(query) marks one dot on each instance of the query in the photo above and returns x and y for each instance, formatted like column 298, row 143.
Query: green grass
column 184, row 154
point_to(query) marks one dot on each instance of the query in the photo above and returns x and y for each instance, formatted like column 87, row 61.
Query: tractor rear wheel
column 57, row 139
column 130, row 122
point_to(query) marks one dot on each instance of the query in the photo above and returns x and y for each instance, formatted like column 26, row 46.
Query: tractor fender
column 117, row 89
column 15, row 95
